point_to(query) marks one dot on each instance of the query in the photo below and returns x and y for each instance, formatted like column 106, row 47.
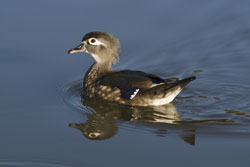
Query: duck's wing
column 130, row 82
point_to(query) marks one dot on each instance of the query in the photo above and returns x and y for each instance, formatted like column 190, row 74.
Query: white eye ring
column 94, row 41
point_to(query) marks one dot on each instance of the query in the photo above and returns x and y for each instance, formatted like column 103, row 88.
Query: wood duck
column 135, row 88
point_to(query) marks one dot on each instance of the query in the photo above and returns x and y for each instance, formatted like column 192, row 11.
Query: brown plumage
column 126, row 87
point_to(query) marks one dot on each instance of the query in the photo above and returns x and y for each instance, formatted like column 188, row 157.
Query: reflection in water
column 101, row 124
column 103, row 116
column 97, row 127
column 189, row 136
column 237, row 113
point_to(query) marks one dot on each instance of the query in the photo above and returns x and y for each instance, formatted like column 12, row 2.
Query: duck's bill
column 79, row 48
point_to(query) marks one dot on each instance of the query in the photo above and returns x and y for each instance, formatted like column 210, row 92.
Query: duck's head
column 102, row 46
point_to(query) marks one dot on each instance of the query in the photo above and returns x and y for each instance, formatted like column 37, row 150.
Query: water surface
column 44, row 121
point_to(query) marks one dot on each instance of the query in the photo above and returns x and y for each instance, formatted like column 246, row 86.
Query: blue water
column 41, row 108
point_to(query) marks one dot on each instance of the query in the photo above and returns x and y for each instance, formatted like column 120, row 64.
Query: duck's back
column 138, row 88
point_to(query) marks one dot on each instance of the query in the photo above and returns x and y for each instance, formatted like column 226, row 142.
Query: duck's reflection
column 97, row 127
column 102, row 123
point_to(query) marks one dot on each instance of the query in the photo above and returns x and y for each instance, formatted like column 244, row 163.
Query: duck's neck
column 95, row 72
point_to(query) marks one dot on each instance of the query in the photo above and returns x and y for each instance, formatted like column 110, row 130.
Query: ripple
column 192, row 110
column 71, row 94
column 198, row 106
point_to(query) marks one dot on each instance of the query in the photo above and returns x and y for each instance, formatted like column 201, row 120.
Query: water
column 44, row 123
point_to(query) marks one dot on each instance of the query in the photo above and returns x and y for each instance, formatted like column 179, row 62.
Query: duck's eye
column 92, row 40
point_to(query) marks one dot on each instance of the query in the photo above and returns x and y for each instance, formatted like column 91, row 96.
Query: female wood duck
column 128, row 87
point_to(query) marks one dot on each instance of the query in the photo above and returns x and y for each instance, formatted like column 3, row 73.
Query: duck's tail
column 164, row 93
column 184, row 81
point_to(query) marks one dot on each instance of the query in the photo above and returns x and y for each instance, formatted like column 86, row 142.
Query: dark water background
column 38, row 98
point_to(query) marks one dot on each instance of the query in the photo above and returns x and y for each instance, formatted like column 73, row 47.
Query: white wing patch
column 135, row 92
column 153, row 85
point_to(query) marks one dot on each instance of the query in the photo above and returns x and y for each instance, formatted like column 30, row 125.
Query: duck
column 128, row 87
